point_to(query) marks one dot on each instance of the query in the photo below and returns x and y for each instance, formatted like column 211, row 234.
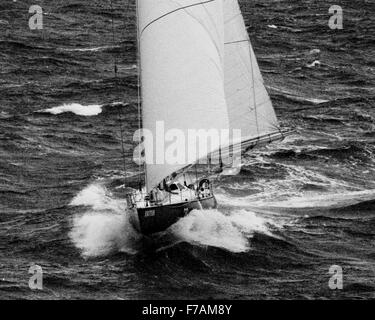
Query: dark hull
column 156, row 219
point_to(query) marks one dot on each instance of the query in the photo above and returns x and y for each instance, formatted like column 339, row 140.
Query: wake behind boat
column 198, row 72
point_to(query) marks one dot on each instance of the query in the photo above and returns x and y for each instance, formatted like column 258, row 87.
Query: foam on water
column 312, row 65
column 285, row 188
column 91, row 49
column 213, row 228
column 76, row 108
column 105, row 227
column 331, row 200
column 279, row 194
column 295, row 97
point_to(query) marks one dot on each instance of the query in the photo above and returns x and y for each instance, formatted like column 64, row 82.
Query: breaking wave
column 105, row 227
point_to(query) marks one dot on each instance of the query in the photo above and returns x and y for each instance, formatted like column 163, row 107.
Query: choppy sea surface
column 297, row 207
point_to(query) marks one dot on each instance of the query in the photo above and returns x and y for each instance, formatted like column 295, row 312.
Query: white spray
column 105, row 227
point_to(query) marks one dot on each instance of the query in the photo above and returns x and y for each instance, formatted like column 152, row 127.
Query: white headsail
column 182, row 76
column 249, row 105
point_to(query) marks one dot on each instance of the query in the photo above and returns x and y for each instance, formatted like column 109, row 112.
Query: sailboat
column 197, row 71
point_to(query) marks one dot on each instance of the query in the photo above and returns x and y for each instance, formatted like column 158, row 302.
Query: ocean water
column 296, row 208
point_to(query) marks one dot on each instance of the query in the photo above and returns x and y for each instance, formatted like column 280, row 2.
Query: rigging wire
column 116, row 87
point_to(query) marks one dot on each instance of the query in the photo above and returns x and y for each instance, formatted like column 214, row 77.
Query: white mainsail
column 182, row 51
column 249, row 105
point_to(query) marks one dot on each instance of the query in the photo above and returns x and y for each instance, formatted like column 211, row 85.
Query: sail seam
column 217, row 31
column 178, row 9
column 208, row 32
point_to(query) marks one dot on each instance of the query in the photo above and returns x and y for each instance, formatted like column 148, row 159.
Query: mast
column 142, row 168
